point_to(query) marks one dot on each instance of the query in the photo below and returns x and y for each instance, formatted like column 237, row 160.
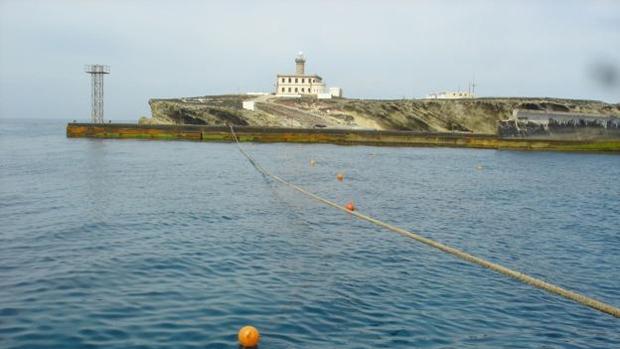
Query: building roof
column 299, row 76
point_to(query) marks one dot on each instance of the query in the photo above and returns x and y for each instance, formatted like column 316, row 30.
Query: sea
column 174, row 244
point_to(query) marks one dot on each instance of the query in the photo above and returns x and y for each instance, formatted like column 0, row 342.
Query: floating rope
column 551, row 288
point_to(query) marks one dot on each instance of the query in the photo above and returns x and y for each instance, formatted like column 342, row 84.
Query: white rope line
column 551, row 288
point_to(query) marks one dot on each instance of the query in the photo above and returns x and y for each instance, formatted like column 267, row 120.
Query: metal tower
column 96, row 72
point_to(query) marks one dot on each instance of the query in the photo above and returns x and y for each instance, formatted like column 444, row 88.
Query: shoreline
column 200, row 133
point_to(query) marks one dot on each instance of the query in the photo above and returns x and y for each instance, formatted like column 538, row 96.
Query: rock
column 479, row 115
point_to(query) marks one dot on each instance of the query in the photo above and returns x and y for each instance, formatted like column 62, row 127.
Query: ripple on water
column 174, row 244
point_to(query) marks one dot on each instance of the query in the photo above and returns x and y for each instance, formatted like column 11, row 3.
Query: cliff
column 478, row 115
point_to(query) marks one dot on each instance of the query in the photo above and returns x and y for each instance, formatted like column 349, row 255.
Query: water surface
column 155, row 244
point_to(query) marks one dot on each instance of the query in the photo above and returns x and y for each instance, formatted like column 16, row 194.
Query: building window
column 303, row 80
column 283, row 80
column 303, row 89
column 295, row 80
column 289, row 79
column 282, row 89
column 289, row 89
column 295, row 89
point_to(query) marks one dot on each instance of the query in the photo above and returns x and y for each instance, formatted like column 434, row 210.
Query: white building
column 451, row 95
column 302, row 84
column 249, row 105
column 335, row 91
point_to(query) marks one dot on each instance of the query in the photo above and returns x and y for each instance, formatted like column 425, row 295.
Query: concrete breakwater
column 333, row 136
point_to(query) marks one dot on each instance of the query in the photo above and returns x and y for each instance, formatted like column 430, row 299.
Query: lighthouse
column 302, row 84
column 300, row 63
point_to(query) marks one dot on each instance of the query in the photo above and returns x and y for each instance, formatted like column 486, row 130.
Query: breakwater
column 333, row 136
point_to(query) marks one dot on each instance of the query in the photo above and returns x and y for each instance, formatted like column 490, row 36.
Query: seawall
column 333, row 136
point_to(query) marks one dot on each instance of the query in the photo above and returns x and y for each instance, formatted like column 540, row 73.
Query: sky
column 371, row 49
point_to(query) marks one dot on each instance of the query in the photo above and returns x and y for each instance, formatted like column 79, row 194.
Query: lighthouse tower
column 299, row 84
column 300, row 63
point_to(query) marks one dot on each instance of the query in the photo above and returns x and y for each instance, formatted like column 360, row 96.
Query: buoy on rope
column 312, row 162
column 340, row 176
column 350, row 206
column 248, row 337
column 479, row 167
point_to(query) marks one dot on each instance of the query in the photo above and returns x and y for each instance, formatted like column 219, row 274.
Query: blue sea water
column 166, row 244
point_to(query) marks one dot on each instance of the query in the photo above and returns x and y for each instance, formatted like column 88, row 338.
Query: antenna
column 96, row 71
column 473, row 85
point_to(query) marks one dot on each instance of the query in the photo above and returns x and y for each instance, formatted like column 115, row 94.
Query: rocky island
column 490, row 123
column 475, row 115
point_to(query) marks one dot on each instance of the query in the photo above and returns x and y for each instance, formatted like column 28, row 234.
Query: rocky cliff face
column 466, row 115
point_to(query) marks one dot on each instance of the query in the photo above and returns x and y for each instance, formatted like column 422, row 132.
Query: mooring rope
column 574, row 296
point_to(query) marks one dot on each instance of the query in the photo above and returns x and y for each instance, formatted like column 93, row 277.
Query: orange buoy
column 248, row 336
column 340, row 176
column 350, row 206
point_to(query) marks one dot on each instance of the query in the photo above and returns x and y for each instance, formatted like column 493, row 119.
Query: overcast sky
column 372, row 49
